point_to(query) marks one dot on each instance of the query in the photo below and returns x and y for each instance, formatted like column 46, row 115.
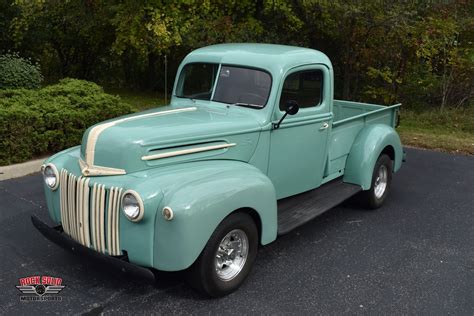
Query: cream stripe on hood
column 97, row 130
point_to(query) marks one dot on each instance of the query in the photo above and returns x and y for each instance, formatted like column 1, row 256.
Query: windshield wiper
column 248, row 105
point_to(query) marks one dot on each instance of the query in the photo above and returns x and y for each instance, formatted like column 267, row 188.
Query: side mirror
column 291, row 108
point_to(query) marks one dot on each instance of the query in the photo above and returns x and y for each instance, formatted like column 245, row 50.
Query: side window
column 305, row 87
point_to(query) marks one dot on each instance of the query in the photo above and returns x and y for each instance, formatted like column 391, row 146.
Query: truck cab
column 252, row 146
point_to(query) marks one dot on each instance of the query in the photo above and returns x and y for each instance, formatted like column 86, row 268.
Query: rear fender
column 202, row 195
column 367, row 147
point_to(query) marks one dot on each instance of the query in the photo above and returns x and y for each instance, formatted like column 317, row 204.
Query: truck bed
column 345, row 111
column 349, row 119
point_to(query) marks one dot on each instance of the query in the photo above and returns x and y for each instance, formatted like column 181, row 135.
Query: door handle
column 324, row 126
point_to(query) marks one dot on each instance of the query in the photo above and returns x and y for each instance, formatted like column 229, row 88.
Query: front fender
column 201, row 195
column 367, row 147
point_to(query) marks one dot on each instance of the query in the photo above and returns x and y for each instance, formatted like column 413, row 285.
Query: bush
column 36, row 122
column 18, row 72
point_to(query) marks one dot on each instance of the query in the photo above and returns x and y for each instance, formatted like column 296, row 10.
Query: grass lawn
column 138, row 99
column 450, row 130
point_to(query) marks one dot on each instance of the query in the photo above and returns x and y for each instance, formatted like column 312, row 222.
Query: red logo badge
column 40, row 288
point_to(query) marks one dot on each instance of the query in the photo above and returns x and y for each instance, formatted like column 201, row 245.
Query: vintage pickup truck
column 251, row 146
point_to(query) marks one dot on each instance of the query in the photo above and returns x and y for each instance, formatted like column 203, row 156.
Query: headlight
column 132, row 206
column 51, row 176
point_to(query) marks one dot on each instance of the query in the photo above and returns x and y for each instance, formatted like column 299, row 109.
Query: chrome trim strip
column 110, row 211
column 79, row 192
column 101, row 220
column 186, row 151
column 197, row 139
column 116, row 241
column 113, row 231
column 68, row 206
column 64, row 220
column 62, row 199
column 87, row 209
column 85, row 214
column 74, row 207
column 89, row 171
column 72, row 218
column 71, row 204
column 97, row 217
column 72, row 210
column 92, row 215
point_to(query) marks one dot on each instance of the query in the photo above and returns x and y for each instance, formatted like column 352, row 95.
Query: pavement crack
column 354, row 221
column 21, row 198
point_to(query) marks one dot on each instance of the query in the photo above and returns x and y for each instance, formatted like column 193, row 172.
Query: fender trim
column 367, row 147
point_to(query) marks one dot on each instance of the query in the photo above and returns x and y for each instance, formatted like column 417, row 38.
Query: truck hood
column 166, row 136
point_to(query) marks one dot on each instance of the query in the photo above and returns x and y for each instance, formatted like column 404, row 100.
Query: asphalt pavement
column 415, row 255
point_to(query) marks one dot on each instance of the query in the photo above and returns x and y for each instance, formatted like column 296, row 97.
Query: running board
column 296, row 210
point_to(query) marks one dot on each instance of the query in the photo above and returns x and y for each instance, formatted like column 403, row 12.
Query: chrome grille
column 90, row 213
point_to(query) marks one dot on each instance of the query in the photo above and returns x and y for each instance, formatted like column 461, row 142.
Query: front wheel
column 227, row 257
column 381, row 182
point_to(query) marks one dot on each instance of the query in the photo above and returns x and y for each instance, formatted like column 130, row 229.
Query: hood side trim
column 186, row 151
column 92, row 171
column 97, row 130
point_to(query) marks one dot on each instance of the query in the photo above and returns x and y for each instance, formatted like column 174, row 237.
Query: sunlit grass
column 450, row 130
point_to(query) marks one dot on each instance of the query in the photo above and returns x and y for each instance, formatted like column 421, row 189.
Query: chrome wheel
column 381, row 181
column 231, row 254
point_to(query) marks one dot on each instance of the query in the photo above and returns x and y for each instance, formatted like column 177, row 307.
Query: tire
column 380, row 185
column 206, row 276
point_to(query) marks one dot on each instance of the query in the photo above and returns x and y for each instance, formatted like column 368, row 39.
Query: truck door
column 298, row 147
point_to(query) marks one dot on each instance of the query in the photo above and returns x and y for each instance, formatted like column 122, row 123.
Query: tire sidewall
column 204, row 268
column 382, row 160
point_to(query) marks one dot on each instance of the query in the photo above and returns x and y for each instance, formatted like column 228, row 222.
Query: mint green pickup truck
column 252, row 145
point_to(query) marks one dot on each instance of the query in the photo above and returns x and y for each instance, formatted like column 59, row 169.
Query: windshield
column 235, row 85
column 197, row 80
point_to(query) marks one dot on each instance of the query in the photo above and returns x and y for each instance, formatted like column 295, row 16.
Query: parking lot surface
column 415, row 255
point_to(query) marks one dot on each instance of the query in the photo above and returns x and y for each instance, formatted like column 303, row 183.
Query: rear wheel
column 227, row 257
column 381, row 183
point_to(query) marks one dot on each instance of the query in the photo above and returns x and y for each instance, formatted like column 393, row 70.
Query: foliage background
column 38, row 121
column 419, row 53
column 18, row 72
